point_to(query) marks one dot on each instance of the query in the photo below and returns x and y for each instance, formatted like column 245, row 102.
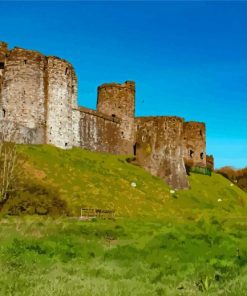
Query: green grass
column 40, row 256
column 161, row 243
column 90, row 179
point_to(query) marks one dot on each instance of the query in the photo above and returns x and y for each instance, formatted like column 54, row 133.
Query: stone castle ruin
column 38, row 100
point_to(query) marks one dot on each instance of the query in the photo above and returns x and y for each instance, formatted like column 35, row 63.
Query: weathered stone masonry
column 38, row 104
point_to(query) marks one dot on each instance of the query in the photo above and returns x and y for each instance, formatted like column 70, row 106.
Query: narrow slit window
column 134, row 148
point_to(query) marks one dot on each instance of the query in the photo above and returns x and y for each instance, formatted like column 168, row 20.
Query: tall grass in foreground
column 42, row 256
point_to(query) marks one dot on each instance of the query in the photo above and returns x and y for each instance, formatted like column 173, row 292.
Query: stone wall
column 3, row 56
column 99, row 132
column 210, row 162
column 158, row 148
column 76, row 136
column 194, row 144
column 60, row 99
column 22, row 95
column 118, row 100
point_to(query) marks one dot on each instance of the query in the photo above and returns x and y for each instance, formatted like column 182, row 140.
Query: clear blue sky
column 187, row 58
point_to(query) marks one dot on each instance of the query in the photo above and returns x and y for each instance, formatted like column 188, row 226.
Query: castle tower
column 38, row 94
column 194, row 144
column 61, row 92
column 118, row 100
column 3, row 54
column 23, row 94
column 158, row 148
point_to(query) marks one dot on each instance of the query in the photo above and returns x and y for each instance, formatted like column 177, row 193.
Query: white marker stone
column 133, row 184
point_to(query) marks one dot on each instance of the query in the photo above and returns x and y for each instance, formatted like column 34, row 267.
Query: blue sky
column 188, row 58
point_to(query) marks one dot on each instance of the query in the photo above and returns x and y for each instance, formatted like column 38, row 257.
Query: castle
column 38, row 100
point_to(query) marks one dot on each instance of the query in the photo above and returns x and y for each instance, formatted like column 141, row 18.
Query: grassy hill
column 190, row 242
column 90, row 179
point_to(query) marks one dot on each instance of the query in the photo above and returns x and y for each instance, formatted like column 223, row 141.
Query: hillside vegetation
column 161, row 243
column 89, row 179
column 239, row 177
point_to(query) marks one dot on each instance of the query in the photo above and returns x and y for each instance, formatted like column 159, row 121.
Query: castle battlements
column 38, row 101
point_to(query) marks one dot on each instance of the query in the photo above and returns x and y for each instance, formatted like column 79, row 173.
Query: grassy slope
column 92, row 179
column 186, row 244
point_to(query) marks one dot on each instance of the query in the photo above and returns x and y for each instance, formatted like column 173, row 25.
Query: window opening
column 134, row 149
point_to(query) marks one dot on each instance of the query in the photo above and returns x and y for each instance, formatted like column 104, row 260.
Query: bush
column 36, row 199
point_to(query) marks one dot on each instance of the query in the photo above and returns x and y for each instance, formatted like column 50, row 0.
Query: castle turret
column 3, row 54
column 23, row 99
column 61, row 99
column 118, row 100
column 158, row 148
column 194, row 144
column 37, row 97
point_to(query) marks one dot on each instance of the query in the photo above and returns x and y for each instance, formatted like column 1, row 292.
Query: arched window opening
column 201, row 155
column 191, row 153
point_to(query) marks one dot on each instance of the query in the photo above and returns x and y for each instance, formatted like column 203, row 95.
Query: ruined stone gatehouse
column 38, row 103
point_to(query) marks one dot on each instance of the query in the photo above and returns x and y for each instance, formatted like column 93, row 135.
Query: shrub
column 36, row 199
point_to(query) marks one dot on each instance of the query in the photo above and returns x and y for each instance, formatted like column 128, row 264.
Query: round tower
column 61, row 98
column 22, row 94
column 117, row 100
